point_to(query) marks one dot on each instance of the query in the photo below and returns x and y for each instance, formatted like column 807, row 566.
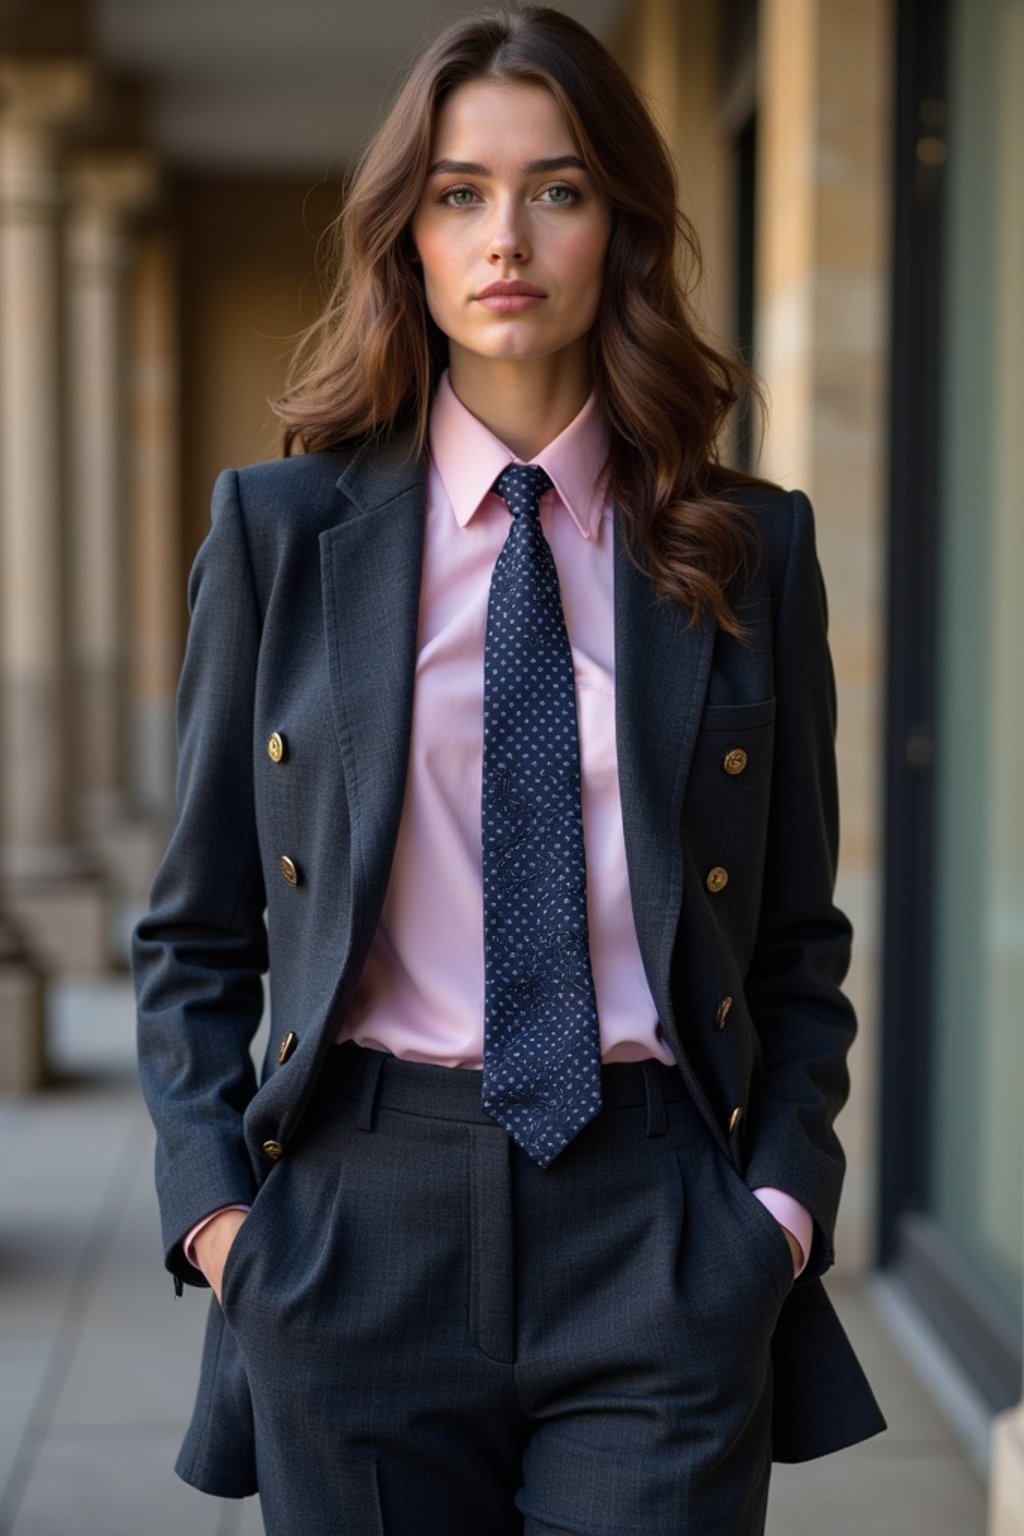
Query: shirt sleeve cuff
column 191, row 1236
column 796, row 1218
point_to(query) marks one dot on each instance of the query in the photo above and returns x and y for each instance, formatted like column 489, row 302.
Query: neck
column 525, row 404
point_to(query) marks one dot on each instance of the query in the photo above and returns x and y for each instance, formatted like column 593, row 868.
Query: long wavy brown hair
column 372, row 360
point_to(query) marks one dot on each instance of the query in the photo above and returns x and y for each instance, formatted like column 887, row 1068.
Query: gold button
column 734, row 760
column 717, row 878
column 273, row 1150
column 734, row 1119
column 288, row 869
column 275, row 747
column 286, row 1047
column 723, row 1012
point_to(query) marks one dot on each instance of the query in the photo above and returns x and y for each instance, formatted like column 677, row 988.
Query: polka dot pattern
column 542, row 1055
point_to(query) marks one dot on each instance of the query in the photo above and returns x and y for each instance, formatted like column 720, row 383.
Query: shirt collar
column 470, row 458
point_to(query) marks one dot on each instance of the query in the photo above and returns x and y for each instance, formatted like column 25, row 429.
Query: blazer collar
column 384, row 469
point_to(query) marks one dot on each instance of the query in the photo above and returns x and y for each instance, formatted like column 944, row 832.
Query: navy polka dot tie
column 542, row 1055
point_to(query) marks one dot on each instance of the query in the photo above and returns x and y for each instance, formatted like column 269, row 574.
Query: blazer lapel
column 370, row 570
column 662, row 667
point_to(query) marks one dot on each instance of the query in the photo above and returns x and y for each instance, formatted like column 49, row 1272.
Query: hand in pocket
column 213, row 1244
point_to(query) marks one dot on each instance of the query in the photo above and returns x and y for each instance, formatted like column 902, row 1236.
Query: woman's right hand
column 212, row 1244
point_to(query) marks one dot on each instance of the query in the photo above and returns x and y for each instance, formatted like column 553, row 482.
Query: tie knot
column 521, row 487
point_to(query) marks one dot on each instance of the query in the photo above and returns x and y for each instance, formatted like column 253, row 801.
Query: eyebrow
column 531, row 168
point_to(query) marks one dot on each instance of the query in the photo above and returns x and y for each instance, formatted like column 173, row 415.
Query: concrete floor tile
column 911, row 1490
column 13, row 1111
column 909, row 1411
column 23, row 1366
column 62, row 1178
column 240, row 1517
column 91, row 1024
column 250, row 1523
column 132, row 1302
column 122, row 1377
column 112, row 1483
column 61, row 1158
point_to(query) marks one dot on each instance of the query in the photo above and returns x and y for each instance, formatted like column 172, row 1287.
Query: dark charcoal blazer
column 304, row 602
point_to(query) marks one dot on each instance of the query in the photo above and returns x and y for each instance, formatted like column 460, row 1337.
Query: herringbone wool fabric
column 542, row 1057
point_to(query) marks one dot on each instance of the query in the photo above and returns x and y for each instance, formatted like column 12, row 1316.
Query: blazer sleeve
column 805, row 1023
column 199, row 953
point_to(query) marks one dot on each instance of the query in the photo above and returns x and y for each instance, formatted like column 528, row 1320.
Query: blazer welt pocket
column 738, row 717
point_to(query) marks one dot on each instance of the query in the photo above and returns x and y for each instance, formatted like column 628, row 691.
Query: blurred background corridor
column 855, row 171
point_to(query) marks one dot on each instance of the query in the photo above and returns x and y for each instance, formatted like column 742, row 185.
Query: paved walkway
column 98, row 1359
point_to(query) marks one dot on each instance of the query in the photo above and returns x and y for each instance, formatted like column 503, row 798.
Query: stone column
column 49, row 889
column 672, row 52
column 22, row 1015
column 821, row 344
column 106, row 189
column 157, row 580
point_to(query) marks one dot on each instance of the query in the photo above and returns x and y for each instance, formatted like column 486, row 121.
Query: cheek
column 584, row 252
column 441, row 263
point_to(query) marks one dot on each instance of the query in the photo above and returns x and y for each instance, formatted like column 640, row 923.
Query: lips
column 511, row 290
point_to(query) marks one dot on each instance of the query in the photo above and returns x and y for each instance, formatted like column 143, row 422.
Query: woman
column 506, row 740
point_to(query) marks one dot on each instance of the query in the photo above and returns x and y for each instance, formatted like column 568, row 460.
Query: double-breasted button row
column 717, row 878
column 273, row 1150
column 277, row 750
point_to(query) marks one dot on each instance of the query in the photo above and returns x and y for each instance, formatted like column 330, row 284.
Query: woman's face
column 507, row 199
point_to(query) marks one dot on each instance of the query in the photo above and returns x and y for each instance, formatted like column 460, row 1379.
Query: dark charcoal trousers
column 443, row 1339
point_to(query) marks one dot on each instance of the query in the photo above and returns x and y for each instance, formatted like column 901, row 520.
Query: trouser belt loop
column 369, row 1090
column 653, row 1080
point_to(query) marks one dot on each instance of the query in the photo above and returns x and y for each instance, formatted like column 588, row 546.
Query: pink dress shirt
column 421, row 993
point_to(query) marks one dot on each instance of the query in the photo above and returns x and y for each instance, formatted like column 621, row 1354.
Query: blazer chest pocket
column 725, row 810
column 732, row 756
column 737, row 717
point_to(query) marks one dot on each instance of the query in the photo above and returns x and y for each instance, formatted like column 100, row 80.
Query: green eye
column 563, row 195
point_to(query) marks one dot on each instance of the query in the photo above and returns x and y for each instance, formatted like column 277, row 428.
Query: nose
column 507, row 240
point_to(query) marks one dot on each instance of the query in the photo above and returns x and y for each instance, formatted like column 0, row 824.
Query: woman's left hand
column 794, row 1247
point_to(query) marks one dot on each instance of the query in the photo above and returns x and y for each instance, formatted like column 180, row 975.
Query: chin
column 521, row 347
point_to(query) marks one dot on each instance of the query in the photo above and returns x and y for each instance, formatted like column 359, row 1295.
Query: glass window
column 977, row 1089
